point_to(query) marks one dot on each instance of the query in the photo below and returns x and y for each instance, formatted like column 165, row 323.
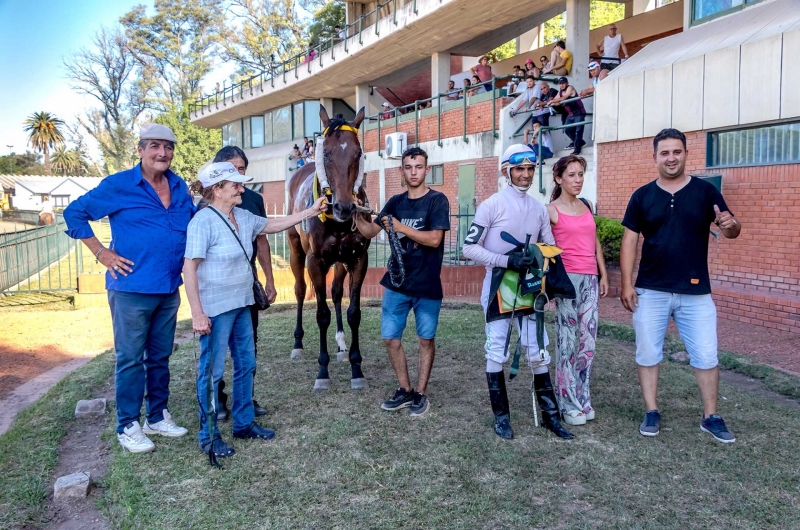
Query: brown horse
column 333, row 242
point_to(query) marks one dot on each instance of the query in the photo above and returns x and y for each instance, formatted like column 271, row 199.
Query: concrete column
column 530, row 40
column 642, row 6
column 578, row 41
column 629, row 9
column 440, row 72
column 328, row 104
column 362, row 98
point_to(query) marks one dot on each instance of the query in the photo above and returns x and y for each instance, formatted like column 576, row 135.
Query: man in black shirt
column 421, row 216
column 673, row 214
column 254, row 203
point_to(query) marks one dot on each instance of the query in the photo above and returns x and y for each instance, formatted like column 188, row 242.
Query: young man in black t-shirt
column 673, row 214
column 420, row 217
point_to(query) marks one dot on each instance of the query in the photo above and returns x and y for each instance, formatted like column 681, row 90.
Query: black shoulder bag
column 259, row 295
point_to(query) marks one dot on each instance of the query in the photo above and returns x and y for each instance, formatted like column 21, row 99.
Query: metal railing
column 293, row 63
column 38, row 259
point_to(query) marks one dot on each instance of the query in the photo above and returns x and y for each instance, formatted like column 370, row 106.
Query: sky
column 35, row 37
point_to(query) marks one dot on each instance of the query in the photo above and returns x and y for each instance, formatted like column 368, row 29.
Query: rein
column 394, row 266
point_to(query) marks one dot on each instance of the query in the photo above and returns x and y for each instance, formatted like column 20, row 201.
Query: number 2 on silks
column 474, row 234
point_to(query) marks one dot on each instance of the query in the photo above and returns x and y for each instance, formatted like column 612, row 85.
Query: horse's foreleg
column 317, row 271
column 298, row 264
column 337, row 291
column 357, row 274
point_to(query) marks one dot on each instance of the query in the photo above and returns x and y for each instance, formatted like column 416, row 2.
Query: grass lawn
column 338, row 461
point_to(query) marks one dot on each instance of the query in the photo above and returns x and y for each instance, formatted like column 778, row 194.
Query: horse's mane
column 335, row 124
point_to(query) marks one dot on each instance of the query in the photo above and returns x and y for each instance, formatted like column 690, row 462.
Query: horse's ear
column 323, row 116
column 359, row 118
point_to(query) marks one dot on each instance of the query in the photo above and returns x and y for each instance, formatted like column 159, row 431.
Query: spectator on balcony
column 576, row 113
column 529, row 97
column 548, row 94
column 298, row 155
column 545, row 62
column 388, row 111
column 547, row 141
column 609, row 48
column 483, row 71
column 596, row 74
column 560, row 60
column 452, row 93
column 467, row 84
column 477, row 88
column 531, row 68
column 339, row 33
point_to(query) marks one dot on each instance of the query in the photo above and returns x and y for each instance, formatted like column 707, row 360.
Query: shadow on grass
column 339, row 461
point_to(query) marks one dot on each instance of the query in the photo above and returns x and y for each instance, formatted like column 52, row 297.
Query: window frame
column 712, row 135
column 429, row 180
column 697, row 21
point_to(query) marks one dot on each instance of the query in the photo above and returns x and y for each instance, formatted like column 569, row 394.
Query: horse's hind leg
column 337, row 291
column 298, row 263
column 357, row 274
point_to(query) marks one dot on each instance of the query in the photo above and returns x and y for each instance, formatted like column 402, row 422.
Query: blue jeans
column 142, row 323
column 694, row 315
column 394, row 313
column 232, row 328
column 575, row 133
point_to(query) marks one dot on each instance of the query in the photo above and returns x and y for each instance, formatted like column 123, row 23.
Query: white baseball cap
column 385, row 103
column 216, row 172
column 156, row 131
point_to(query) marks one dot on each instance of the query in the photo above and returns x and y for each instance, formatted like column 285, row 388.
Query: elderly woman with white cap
column 219, row 286
column 149, row 208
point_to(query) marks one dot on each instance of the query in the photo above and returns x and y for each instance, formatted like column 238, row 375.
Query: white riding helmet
column 518, row 155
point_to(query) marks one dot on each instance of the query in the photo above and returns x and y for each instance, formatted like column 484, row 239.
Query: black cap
column 563, row 80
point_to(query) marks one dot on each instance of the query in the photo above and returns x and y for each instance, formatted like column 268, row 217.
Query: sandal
column 221, row 449
column 574, row 417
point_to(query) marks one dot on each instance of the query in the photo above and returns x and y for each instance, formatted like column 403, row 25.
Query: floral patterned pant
column 576, row 331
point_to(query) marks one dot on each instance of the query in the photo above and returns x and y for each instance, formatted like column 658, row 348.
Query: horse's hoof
column 297, row 353
column 321, row 385
column 359, row 383
column 342, row 356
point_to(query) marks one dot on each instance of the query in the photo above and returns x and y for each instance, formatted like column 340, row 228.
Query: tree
column 65, row 160
column 44, row 133
column 110, row 74
column 25, row 164
column 175, row 45
column 196, row 145
column 261, row 33
column 326, row 18
column 504, row 51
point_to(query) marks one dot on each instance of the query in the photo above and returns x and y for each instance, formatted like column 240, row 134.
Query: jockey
column 513, row 212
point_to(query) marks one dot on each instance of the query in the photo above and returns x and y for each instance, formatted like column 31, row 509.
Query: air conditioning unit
column 395, row 144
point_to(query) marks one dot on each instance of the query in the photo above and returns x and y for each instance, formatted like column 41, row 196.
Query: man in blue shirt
column 149, row 208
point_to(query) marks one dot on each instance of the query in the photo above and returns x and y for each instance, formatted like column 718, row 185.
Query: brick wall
column 274, row 196
column 756, row 277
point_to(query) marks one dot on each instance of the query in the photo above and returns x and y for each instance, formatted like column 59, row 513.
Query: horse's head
column 341, row 157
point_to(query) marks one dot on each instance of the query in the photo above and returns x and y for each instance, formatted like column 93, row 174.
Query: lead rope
column 394, row 266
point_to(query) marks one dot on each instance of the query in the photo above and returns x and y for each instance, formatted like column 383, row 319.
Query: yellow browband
column 342, row 128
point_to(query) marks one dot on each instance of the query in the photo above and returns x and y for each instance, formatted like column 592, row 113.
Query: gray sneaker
column 420, row 405
column 651, row 424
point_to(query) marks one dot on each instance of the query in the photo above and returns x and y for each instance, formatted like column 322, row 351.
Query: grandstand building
column 723, row 71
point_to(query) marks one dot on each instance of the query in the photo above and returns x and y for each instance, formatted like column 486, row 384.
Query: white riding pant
column 497, row 331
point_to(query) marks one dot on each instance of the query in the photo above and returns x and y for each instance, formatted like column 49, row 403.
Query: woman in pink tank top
column 576, row 320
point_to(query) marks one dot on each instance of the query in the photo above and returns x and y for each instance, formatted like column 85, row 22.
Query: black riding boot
column 499, row 399
column 222, row 403
column 547, row 402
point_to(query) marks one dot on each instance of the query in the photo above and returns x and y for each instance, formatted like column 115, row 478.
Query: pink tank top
column 576, row 235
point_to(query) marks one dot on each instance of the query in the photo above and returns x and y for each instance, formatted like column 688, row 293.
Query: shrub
column 610, row 233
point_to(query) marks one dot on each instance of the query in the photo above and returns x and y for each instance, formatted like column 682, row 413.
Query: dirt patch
column 82, row 449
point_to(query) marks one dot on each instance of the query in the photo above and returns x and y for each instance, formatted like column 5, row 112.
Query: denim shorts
column 394, row 313
column 695, row 316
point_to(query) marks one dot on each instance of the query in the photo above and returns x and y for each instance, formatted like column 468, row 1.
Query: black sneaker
column 715, row 425
column 401, row 399
column 258, row 409
column 651, row 425
column 420, row 405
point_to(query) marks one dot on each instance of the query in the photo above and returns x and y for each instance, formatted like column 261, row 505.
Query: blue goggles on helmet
column 518, row 159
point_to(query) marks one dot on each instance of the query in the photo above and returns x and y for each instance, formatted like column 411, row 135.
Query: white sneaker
column 574, row 417
column 590, row 414
column 165, row 427
column 134, row 440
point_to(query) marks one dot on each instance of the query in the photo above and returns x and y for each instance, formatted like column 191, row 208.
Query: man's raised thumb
column 716, row 210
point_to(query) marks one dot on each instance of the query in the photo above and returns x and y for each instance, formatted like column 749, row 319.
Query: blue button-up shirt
column 142, row 229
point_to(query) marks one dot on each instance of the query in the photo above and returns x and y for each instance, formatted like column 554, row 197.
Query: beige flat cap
column 156, row 131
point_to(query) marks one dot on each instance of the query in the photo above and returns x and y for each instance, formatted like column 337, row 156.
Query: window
column 703, row 10
column 60, row 201
column 232, row 134
column 297, row 108
column 267, row 128
column 436, row 176
column 257, row 131
column 757, row 146
column 246, row 138
column 282, row 124
column 311, row 118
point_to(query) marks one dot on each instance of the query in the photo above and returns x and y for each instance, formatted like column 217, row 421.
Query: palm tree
column 43, row 134
column 65, row 160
